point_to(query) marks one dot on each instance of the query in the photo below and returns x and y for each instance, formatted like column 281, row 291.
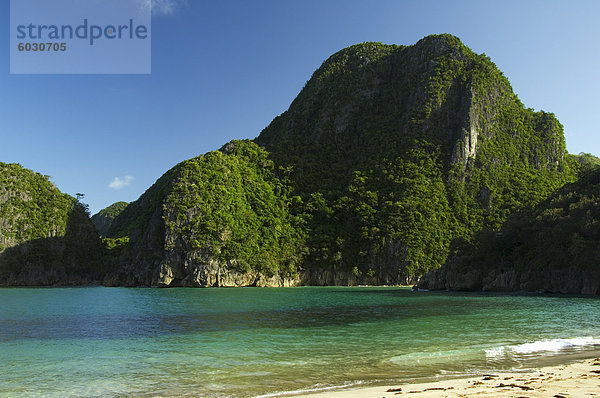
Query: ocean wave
column 546, row 345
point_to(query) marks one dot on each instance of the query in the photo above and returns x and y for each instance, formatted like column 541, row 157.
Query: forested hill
column 392, row 162
column 46, row 237
column 220, row 219
column 398, row 151
column 388, row 159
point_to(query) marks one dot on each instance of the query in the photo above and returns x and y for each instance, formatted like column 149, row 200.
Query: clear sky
column 224, row 69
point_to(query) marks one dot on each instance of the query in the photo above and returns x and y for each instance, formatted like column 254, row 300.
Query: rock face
column 569, row 280
column 46, row 237
column 211, row 273
column 387, row 156
column 207, row 274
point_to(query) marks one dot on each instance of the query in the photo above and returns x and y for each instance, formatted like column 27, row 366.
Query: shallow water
column 252, row 342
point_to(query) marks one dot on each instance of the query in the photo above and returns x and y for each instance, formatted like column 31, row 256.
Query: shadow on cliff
column 77, row 258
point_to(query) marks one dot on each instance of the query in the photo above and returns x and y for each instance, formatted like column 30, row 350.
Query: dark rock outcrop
column 569, row 280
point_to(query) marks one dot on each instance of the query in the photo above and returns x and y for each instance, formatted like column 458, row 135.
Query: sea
column 271, row 342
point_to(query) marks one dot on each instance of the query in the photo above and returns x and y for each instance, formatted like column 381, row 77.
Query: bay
column 248, row 342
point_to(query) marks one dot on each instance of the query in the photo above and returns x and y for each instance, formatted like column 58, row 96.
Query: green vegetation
column 561, row 232
column 104, row 218
column 44, row 231
column 584, row 162
column 390, row 160
column 115, row 252
column 227, row 205
column 230, row 205
column 398, row 151
column 31, row 207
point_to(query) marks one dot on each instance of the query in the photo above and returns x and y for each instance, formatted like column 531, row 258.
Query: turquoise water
column 255, row 342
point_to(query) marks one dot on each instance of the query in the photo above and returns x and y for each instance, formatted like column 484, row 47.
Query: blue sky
column 224, row 69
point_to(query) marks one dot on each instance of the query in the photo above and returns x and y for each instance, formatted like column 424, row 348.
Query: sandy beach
column 579, row 379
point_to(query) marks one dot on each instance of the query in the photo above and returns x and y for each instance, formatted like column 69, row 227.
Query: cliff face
column 507, row 278
column 551, row 248
column 46, row 237
column 387, row 156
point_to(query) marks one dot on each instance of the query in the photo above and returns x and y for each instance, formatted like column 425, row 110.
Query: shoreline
column 573, row 379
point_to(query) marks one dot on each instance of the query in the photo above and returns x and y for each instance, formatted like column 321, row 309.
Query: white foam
column 546, row 345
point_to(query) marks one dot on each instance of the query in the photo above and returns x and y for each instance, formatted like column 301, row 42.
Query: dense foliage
column 227, row 205
column 104, row 218
column 42, row 228
column 31, row 207
column 584, row 162
column 230, row 205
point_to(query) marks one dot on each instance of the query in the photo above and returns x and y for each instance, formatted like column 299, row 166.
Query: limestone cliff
column 400, row 150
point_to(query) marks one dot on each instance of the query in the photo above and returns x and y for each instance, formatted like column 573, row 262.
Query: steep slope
column 398, row 151
column 553, row 248
column 390, row 158
column 104, row 218
column 220, row 219
column 46, row 237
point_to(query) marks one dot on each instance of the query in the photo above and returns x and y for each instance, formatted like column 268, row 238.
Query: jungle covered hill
column 391, row 162
column 386, row 158
column 46, row 236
